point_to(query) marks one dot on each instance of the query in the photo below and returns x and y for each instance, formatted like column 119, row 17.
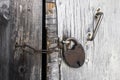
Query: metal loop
column 68, row 44
column 99, row 17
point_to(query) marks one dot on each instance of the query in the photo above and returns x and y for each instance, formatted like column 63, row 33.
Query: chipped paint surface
column 49, row 8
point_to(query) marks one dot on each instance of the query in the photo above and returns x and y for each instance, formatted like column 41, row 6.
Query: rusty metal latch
column 24, row 46
column 73, row 53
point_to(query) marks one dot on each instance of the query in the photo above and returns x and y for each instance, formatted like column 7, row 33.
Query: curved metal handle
column 99, row 17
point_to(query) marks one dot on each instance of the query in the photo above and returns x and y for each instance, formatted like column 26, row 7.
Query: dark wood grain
column 24, row 26
column 4, row 40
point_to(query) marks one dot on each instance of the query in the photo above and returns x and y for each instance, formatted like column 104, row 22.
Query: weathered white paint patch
column 102, row 54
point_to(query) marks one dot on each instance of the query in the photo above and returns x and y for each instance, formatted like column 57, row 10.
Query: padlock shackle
column 72, row 39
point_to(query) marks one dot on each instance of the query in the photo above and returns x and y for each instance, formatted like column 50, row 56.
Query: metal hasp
column 98, row 17
column 2, row 19
column 4, row 14
column 26, row 48
column 73, row 54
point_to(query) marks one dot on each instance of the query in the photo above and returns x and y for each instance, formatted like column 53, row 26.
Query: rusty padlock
column 75, row 56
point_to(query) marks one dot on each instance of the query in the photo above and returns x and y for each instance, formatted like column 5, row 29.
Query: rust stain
column 49, row 8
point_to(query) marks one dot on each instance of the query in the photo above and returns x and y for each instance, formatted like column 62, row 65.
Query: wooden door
column 76, row 19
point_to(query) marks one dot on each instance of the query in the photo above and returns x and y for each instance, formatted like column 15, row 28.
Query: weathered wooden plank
column 75, row 18
column 52, row 39
column 4, row 40
column 26, row 28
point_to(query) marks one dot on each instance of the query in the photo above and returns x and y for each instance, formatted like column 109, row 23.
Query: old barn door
column 76, row 19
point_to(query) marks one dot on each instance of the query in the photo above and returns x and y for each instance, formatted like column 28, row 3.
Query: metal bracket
column 98, row 17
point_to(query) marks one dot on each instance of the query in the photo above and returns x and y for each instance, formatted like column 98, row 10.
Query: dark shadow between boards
column 44, row 43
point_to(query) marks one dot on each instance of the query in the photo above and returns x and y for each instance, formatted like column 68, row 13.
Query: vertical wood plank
column 26, row 28
column 75, row 18
column 4, row 41
column 52, row 39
